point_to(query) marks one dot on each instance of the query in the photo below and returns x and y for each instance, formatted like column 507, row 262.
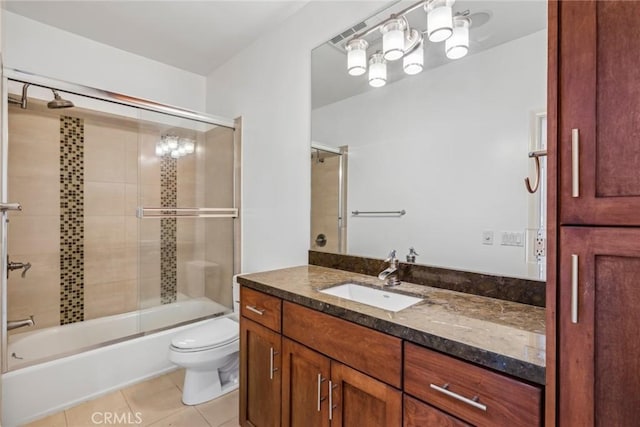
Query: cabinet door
column 599, row 349
column 599, row 97
column 259, row 375
column 359, row 400
column 305, row 386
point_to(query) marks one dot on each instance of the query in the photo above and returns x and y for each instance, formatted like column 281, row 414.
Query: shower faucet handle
column 24, row 266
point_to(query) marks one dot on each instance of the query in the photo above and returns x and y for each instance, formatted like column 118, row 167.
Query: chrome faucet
column 390, row 274
column 24, row 266
column 15, row 324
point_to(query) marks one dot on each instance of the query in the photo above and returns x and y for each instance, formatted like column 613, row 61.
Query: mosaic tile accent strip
column 71, row 220
column 168, row 231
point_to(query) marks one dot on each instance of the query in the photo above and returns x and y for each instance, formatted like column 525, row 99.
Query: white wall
column 450, row 146
column 31, row 46
column 269, row 85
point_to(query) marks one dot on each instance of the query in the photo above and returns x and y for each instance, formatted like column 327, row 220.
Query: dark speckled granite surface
column 507, row 288
column 502, row 335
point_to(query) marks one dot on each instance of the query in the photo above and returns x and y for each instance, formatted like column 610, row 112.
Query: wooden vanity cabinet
column 260, row 359
column 599, row 111
column 470, row 393
column 419, row 414
column 599, row 348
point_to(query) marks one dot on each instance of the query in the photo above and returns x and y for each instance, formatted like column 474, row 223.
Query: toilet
column 210, row 354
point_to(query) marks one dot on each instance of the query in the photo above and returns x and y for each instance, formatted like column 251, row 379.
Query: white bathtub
column 32, row 392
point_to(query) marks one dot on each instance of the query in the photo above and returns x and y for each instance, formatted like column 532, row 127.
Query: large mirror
column 435, row 160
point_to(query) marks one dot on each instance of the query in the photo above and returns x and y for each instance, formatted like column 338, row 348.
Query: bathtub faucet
column 14, row 324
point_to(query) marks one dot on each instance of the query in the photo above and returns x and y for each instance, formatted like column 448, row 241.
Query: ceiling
column 196, row 36
column 507, row 20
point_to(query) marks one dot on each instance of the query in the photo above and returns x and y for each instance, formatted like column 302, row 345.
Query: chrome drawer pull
column 256, row 310
column 331, row 407
column 574, row 288
column 320, row 399
column 473, row 402
column 272, row 369
column 575, row 163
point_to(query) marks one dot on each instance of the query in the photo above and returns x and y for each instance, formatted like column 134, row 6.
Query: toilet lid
column 214, row 333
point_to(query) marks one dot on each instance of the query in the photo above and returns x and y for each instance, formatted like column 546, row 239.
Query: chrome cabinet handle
column 254, row 309
column 574, row 288
column 472, row 402
column 575, row 163
column 332, row 386
column 272, row 369
column 320, row 399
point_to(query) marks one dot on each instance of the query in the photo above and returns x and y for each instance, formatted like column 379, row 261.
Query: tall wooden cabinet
column 598, row 212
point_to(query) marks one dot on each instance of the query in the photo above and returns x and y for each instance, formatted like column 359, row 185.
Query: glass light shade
column 175, row 154
column 439, row 19
column 189, row 146
column 172, row 142
column 159, row 149
column 413, row 63
column 357, row 57
column 377, row 70
column 393, row 39
column 182, row 150
column 457, row 45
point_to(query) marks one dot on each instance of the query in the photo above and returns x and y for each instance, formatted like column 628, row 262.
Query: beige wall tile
column 131, row 231
column 37, row 195
column 149, row 291
column 104, row 231
column 104, row 165
column 105, row 265
column 150, row 195
column 104, row 198
column 29, row 125
column 130, row 199
column 34, row 159
column 105, row 299
column 131, row 166
column 34, row 234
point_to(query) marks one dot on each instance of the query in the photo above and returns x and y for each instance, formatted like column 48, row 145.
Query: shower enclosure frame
column 9, row 74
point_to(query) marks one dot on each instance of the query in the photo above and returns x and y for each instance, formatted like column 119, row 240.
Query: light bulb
column 413, row 62
column 357, row 57
column 439, row 19
column 175, row 154
column 457, row 45
column 172, row 141
column 393, row 39
column 377, row 70
column 159, row 149
column 189, row 146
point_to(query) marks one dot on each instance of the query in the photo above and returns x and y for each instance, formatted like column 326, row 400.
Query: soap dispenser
column 411, row 257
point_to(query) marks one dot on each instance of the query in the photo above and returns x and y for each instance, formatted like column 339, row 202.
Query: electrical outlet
column 540, row 246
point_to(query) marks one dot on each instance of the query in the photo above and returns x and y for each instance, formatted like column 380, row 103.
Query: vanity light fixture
column 377, row 70
column 439, row 19
column 413, row 62
column 393, row 38
column 457, row 45
column 400, row 40
column 171, row 145
column 357, row 57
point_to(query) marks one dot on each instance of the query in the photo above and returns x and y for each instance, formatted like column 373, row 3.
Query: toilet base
column 202, row 386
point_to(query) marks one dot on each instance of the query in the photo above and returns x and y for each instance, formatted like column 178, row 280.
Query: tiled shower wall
column 122, row 264
column 325, row 184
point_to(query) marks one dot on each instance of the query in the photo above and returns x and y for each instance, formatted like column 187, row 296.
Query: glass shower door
column 187, row 216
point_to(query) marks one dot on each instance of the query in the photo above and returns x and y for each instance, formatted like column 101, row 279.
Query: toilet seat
column 213, row 334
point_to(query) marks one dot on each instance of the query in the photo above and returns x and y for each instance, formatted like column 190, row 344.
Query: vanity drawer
column 261, row 308
column 474, row 394
column 419, row 414
column 374, row 353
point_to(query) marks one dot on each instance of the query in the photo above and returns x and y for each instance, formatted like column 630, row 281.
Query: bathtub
column 31, row 392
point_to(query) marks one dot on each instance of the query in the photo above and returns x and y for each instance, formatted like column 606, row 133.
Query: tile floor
column 155, row 402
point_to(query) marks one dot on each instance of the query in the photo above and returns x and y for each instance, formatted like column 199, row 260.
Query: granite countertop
column 505, row 336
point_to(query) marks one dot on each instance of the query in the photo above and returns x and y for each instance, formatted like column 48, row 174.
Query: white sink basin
column 370, row 296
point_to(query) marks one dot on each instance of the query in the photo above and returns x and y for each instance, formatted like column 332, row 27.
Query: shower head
column 22, row 102
column 58, row 101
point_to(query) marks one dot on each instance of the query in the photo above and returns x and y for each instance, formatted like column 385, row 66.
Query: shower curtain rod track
column 113, row 97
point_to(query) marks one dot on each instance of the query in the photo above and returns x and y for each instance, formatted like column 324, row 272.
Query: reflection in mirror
column 449, row 145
